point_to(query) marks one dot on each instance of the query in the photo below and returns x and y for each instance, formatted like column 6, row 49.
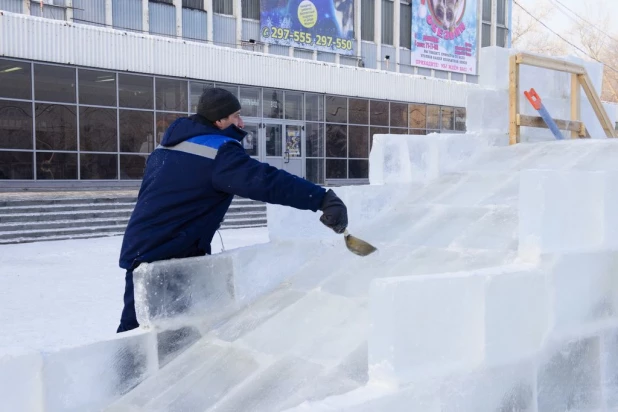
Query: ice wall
column 85, row 378
column 535, row 333
column 480, row 298
column 488, row 107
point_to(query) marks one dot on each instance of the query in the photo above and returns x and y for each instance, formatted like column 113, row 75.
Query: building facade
column 87, row 87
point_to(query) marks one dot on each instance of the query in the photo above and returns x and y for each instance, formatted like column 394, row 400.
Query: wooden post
column 513, row 99
column 575, row 99
column 595, row 101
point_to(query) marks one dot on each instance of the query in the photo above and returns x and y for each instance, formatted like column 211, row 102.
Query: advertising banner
column 444, row 35
column 324, row 25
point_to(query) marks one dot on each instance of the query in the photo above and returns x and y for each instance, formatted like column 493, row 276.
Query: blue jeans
column 128, row 319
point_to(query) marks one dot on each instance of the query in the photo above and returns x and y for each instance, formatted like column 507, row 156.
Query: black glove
column 335, row 214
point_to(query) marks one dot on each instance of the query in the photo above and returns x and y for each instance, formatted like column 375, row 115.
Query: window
column 501, row 29
column 163, row 1
column 56, row 127
column 135, row 91
column 98, row 166
column 417, row 116
column 336, row 140
column 54, row 165
column 16, row 165
column 487, row 10
column 171, row 95
column 405, row 24
column 193, row 4
column 223, row 7
column 54, row 83
column 486, row 26
column 315, row 170
column 433, row 118
column 274, row 140
column 314, row 107
column 460, row 119
column 97, row 129
column 359, row 169
column 97, row 88
column 486, row 35
column 359, row 111
column 136, row 131
column 251, row 102
column 336, row 169
column 388, row 13
column 315, row 139
column 399, row 115
column 15, row 125
column 250, row 143
column 15, row 81
column 379, row 113
column 359, row 142
column 132, row 167
column 367, row 20
column 273, row 104
column 250, row 9
column 336, row 109
column 501, row 17
column 448, row 118
column 293, row 105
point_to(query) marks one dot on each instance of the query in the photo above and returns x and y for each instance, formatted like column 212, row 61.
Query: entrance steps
column 34, row 217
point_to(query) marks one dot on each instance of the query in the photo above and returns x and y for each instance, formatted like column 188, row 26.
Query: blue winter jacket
column 188, row 186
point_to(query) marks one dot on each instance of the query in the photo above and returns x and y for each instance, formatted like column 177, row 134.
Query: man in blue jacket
column 190, row 181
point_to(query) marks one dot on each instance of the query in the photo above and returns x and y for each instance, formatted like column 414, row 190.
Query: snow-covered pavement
column 67, row 293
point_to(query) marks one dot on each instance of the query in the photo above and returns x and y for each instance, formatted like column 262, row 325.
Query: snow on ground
column 67, row 293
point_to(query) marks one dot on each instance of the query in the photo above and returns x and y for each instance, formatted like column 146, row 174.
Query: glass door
column 283, row 146
column 251, row 142
column 273, row 146
column 292, row 150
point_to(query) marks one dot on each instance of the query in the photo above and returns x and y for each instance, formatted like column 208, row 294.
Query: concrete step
column 30, row 239
column 65, row 216
column 18, row 227
column 243, row 209
column 64, row 201
column 54, row 217
column 64, row 208
column 244, row 222
column 39, row 233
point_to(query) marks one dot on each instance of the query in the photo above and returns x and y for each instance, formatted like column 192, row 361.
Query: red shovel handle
column 533, row 98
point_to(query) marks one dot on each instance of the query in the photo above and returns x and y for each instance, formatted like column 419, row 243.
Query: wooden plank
column 597, row 106
column 549, row 63
column 575, row 105
column 537, row 121
column 513, row 100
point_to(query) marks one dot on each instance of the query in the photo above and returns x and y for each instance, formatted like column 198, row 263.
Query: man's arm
column 237, row 173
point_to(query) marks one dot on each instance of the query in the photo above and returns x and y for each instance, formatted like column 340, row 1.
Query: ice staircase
column 456, row 312
column 42, row 216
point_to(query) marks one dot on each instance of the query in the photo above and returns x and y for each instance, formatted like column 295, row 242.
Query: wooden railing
column 579, row 77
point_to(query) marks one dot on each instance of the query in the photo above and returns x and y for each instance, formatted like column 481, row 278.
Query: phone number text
column 306, row 38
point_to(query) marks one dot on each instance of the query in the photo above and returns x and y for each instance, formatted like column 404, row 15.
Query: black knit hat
column 216, row 104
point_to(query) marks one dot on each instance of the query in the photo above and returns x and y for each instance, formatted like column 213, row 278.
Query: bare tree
column 530, row 35
column 601, row 46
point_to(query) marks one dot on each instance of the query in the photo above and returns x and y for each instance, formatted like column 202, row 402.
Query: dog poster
column 445, row 35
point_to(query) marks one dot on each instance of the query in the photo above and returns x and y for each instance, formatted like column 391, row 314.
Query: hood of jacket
column 185, row 128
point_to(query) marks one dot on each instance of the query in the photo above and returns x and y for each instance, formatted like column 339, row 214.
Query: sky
column 561, row 19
